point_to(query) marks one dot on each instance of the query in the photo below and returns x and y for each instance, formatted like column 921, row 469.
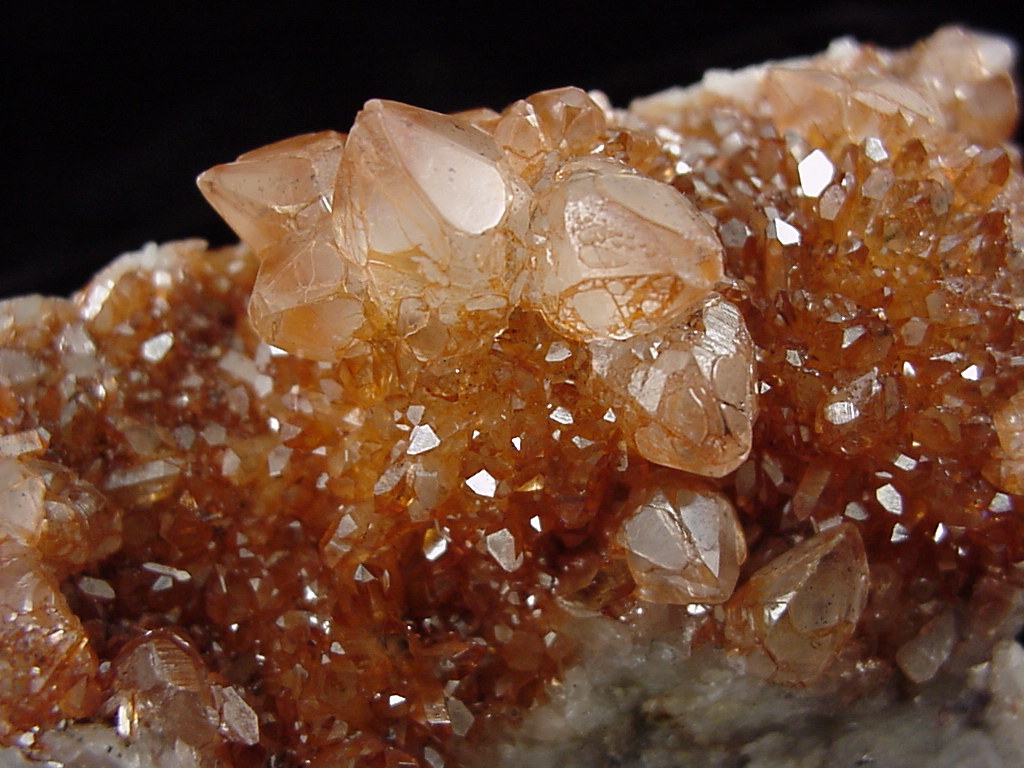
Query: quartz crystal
column 686, row 394
column 684, row 434
column 434, row 220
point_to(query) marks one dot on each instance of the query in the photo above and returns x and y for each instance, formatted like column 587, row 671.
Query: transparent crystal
column 687, row 393
column 683, row 541
column 620, row 254
column 801, row 608
column 428, row 209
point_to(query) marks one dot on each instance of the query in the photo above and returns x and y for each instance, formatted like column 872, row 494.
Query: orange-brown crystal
column 335, row 497
column 798, row 610
column 683, row 541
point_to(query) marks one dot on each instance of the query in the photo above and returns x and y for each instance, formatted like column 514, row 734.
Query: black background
column 112, row 109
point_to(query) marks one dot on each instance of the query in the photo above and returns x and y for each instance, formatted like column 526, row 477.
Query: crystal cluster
column 744, row 363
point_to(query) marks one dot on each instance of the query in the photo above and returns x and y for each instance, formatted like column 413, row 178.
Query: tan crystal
column 801, row 608
column 969, row 75
column 686, row 394
column 271, row 192
column 621, row 254
column 429, row 210
column 954, row 80
column 308, row 300
column 52, row 524
column 957, row 80
column 164, row 688
column 540, row 131
column 47, row 666
column 80, row 525
column 683, row 541
column 1007, row 471
column 921, row 657
column 387, row 558
column 867, row 104
column 21, row 503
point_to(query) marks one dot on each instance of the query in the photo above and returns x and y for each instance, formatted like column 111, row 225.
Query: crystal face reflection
column 483, row 389
column 802, row 607
column 683, row 541
column 623, row 254
column 686, row 393
column 430, row 214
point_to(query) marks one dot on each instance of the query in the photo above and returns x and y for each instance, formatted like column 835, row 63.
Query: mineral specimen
column 691, row 433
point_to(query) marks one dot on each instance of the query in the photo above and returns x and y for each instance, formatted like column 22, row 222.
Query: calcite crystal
column 691, row 433
column 799, row 609
column 683, row 541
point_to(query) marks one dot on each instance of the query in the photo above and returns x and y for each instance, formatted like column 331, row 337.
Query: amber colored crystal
column 686, row 394
column 1009, row 424
column 800, row 608
column 683, row 541
column 344, row 494
column 542, row 131
column 622, row 254
column 306, row 299
column 281, row 188
column 163, row 685
column 433, row 217
column 48, row 668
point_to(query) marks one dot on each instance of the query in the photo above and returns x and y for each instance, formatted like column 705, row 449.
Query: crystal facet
column 623, row 254
column 687, row 393
column 429, row 211
column 801, row 608
column 683, row 541
column 557, row 436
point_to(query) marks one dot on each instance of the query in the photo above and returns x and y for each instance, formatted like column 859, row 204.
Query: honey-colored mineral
column 683, row 542
column 485, row 403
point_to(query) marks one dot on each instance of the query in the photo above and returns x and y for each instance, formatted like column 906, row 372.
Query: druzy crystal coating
column 747, row 356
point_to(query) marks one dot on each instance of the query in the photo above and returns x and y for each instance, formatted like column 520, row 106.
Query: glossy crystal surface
column 746, row 358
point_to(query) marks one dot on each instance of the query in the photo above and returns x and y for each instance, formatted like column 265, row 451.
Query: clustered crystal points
column 738, row 371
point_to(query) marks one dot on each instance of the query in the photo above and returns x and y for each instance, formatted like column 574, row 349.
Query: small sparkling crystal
column 725, row 390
